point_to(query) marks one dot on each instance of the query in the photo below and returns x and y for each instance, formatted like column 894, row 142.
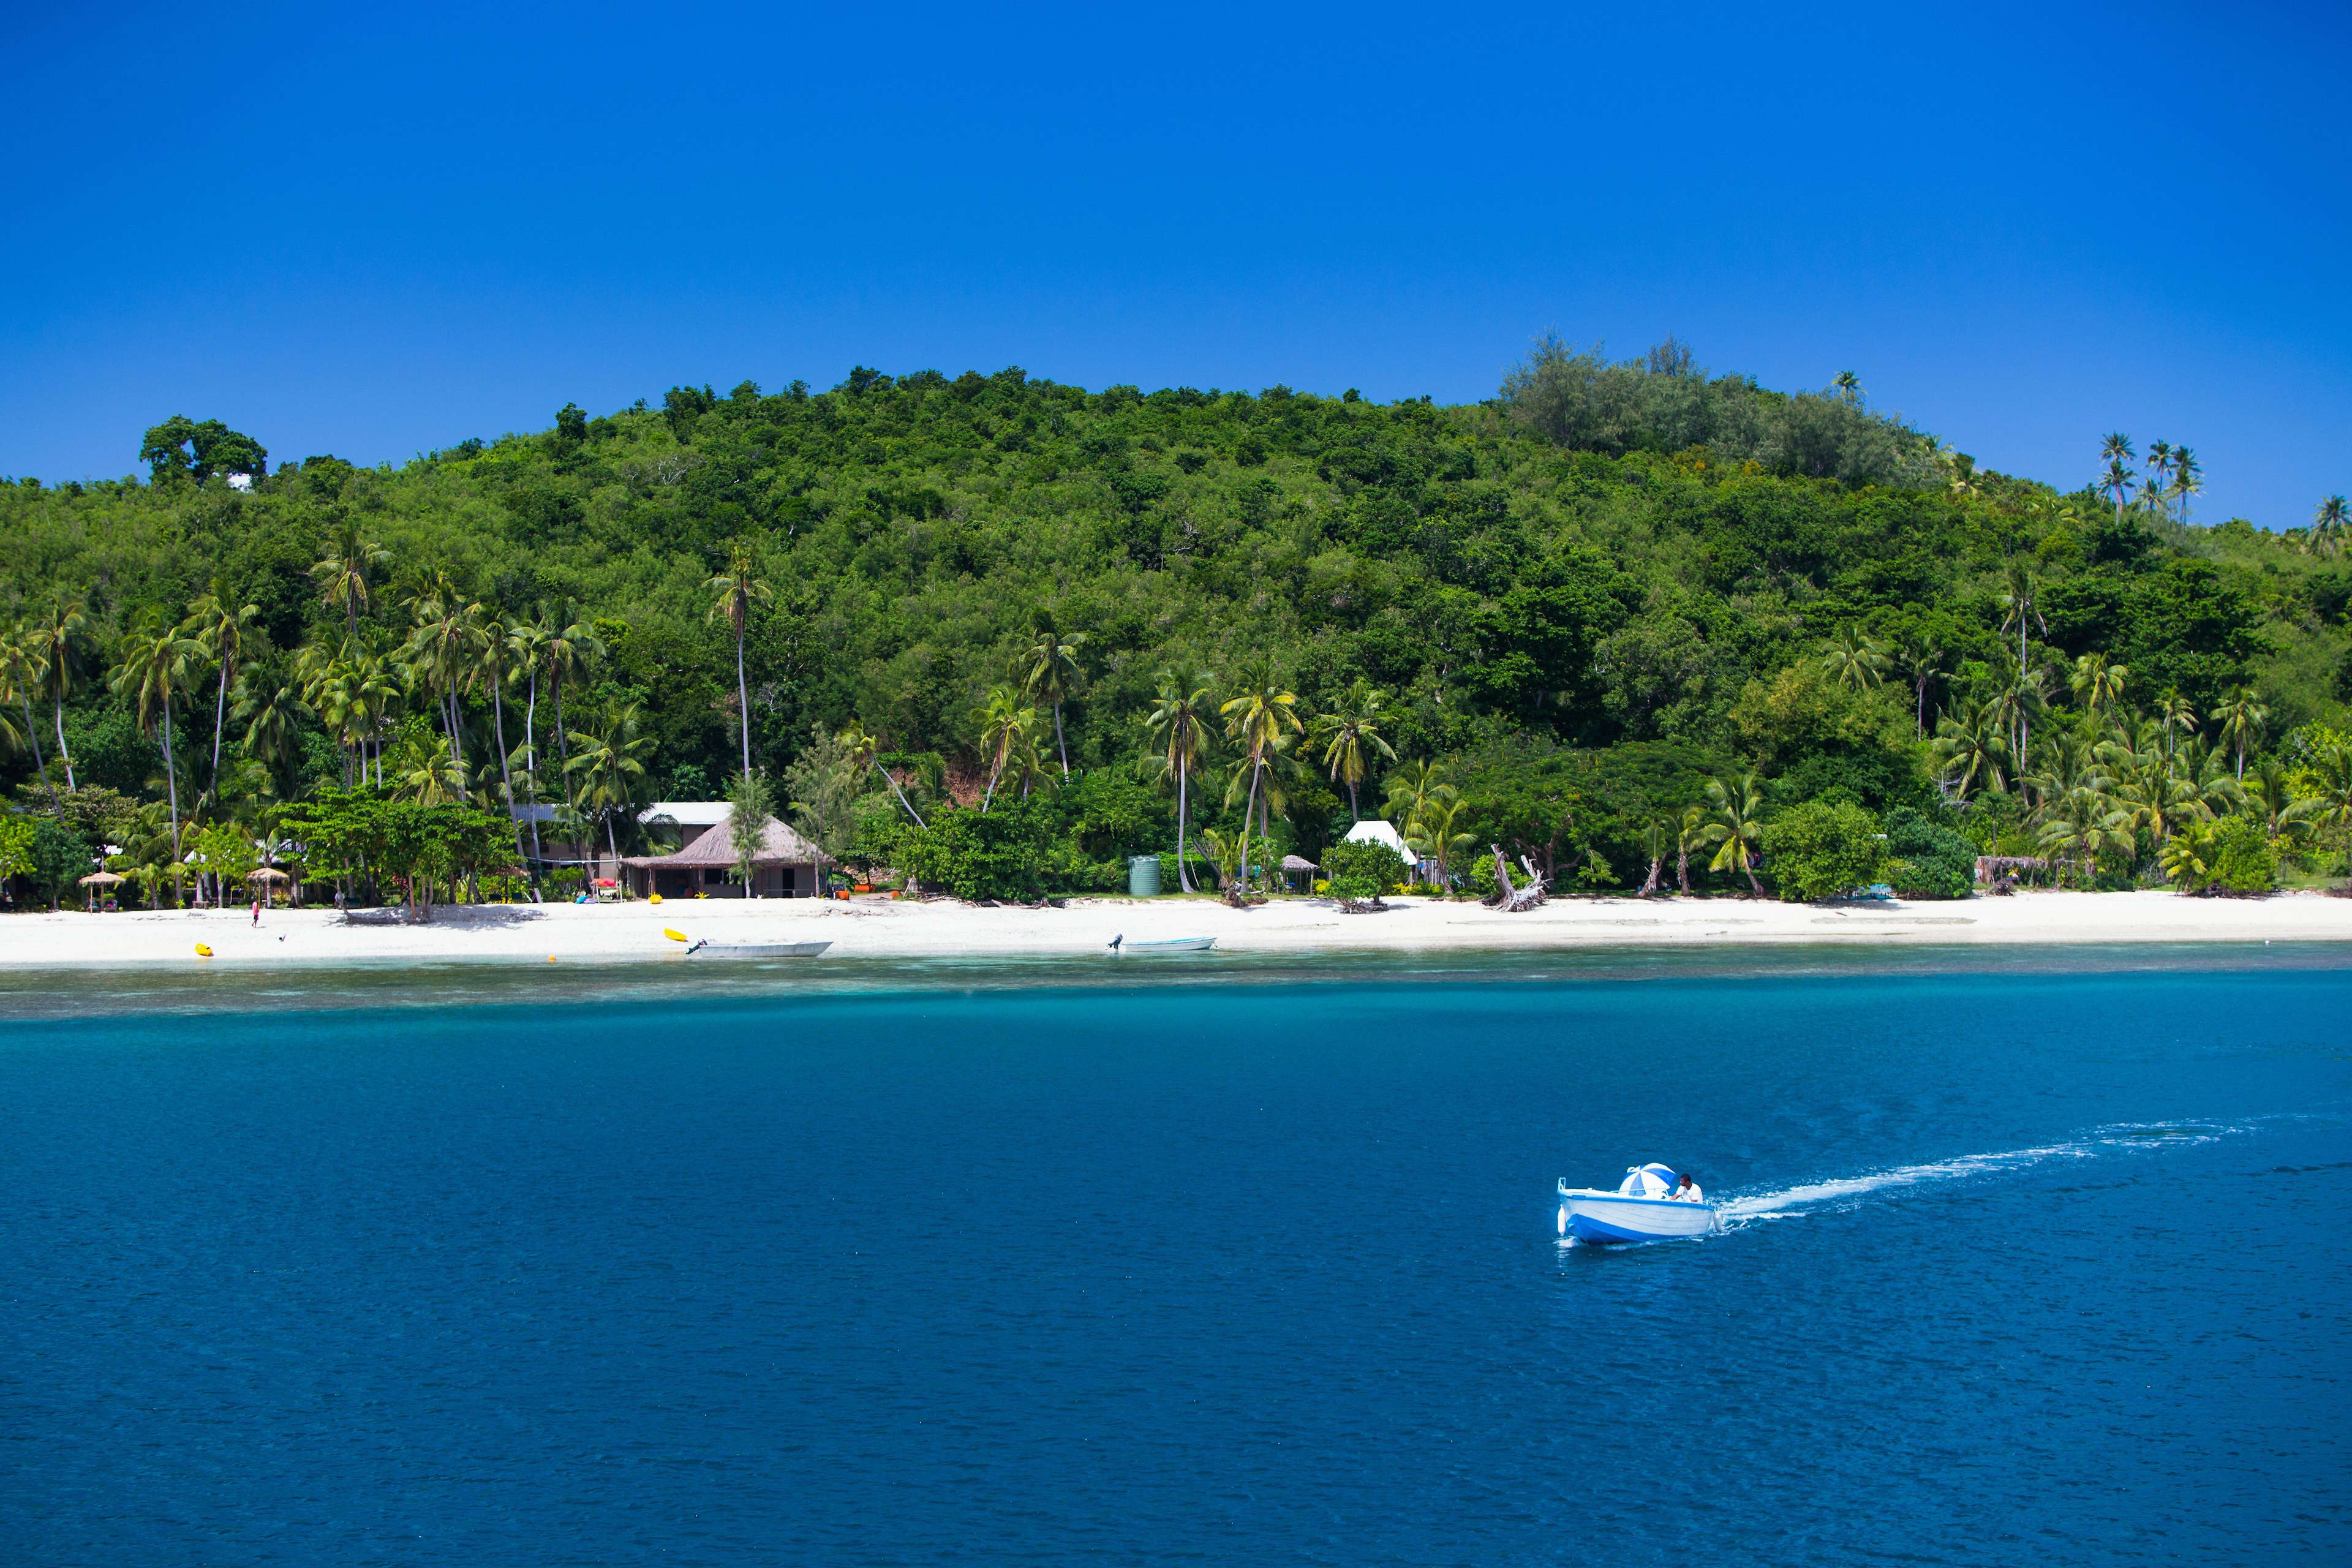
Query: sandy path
column 943, row 929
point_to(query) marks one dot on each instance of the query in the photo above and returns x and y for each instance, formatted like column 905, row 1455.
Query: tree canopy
column 1585, row 597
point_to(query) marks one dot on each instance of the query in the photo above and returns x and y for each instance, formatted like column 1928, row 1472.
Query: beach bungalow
column 704, row 863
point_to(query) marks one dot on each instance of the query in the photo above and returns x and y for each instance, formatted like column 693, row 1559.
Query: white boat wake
column 1792, row 1202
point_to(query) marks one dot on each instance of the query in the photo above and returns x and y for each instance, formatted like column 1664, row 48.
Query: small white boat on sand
column 757, row 949
column 1119, row 944
column 1639, row 1210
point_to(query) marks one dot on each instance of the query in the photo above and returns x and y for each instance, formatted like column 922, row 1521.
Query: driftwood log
column 1512, row 900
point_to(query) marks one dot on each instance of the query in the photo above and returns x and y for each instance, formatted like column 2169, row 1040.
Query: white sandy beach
column 888, row 928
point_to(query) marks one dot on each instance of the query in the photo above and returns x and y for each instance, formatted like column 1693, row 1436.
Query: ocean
column 2028, row 1257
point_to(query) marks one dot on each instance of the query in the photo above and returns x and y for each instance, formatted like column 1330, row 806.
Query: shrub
column 1363, row 870
column 1931, row 862
column 2232, row 856
column 1822, row 849
column 1204, row 871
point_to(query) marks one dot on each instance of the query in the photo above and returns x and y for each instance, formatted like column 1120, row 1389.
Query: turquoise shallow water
column 2031, row 1259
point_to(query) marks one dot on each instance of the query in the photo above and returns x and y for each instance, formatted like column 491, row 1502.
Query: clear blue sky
column 375, row 230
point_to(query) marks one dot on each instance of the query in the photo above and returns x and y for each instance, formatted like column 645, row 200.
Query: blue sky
column 383, row 231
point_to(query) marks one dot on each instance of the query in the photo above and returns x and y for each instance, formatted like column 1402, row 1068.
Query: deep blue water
column 2026, row 1267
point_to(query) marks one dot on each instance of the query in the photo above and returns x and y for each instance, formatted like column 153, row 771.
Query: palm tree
column 1855, row 660
column 1433, row 836
column 865, row 751
column 1848, row 385
column 1657, row 839
column 2187, row 479
column 2116, row 451
column 2174, row 709
column 2079, row 828
column 269, row 706
column 2238, row 721
column 2020, row 605
column 2159, row 463
column 1259, row 719
column 610, row 764
column 527, row 647
column 343, row 571
column 155, row 664
column 2096, row 683
column 23, row 669
column 2332, row 803
column 1975, row 750
column 738, row 591
column 2327, row 521
column 443, row 652
column 53, row 639
column 494, row 666
column 220, row 632
column 1411, row 787
column 567, row 647
column 1181, row 719
column 2269, row 798
column 1047, row 668
column 421, row 768
column 1346, row 730
column 1736, row 802
column 1922, row 660
column 1690, row 833
column 1229, row 854
column 2022, row 694
column 1004, row 724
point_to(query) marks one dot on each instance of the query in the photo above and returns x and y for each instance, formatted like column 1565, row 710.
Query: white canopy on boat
column 1648, row 1181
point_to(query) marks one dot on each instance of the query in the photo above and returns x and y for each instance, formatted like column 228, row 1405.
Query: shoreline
column 632, row 933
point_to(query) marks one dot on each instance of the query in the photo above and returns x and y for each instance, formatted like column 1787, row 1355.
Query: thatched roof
column 779, row 847
column 1298, row 863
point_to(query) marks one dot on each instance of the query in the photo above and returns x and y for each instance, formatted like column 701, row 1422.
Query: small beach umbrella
column 267, row 874
column 100, row 880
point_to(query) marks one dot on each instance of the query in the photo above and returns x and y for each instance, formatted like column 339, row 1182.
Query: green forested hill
column 1615, row 580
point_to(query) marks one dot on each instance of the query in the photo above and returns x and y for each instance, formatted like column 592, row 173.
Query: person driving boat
column 1687, row 1192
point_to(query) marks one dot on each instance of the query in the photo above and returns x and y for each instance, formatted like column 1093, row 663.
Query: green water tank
column 1143, row 876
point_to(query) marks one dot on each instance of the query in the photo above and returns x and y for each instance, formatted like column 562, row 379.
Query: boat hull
column 758, row 950
column 1174, row 945
column 1588, row 1214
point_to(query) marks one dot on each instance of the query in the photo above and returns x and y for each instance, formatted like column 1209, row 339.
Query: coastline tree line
column 1641, row 626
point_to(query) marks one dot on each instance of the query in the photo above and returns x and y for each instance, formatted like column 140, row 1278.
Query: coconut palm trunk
column 505, row 772
column 1184, row 811
column 530, row 767
column 1059, row 745
column 33, row 739
column 65, row 756
column 220, row 717
column 172, row 784
column 1249, row 810
column 742, row 698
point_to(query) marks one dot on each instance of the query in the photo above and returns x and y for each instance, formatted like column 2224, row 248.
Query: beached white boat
column 757, row 949
column 1639, row 1210
column 1166, row 944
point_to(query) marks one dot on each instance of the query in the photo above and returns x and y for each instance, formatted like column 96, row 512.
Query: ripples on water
column 2027, row 1258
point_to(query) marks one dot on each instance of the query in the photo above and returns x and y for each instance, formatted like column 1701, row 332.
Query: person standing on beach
column 256, row 908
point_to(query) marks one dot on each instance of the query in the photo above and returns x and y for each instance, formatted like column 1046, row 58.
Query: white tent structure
column 1374, row 830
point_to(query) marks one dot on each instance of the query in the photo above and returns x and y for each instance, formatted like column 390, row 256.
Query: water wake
column 1788, row 1203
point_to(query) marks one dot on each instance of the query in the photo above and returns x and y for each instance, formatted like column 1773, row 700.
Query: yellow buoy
column 673, row 935
column 202, row 952
column 550, row 957
column 657, row 899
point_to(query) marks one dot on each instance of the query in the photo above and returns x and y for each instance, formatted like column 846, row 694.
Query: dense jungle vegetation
column 1628, row 619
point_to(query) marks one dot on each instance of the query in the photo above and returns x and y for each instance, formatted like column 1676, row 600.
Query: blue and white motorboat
column 1639, row 1210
